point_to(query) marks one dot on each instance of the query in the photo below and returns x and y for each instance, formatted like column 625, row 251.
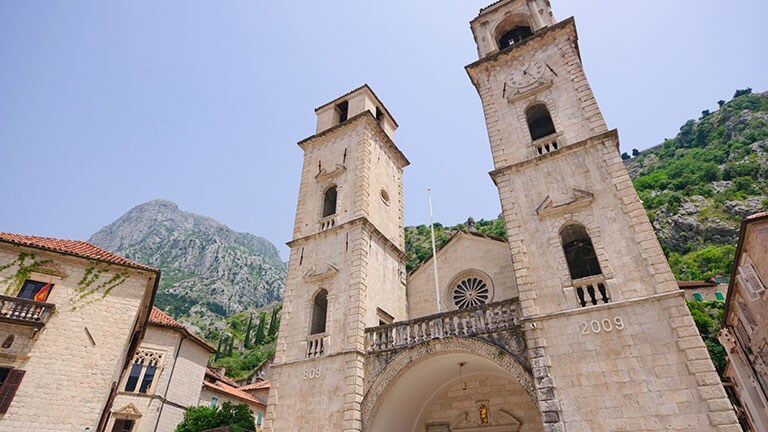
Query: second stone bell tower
column 346, row 269
column 611, row 342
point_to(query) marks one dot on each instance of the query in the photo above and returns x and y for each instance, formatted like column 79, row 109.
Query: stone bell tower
column 346, row 269
column 611, row 341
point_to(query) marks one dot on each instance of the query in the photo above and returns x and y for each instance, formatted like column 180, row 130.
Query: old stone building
column 70, row 313
column 575, row 323
column 162, row 380
column 745, row 331
column 217, row 389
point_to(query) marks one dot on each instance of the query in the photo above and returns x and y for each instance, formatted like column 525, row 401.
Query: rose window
column 472, row 291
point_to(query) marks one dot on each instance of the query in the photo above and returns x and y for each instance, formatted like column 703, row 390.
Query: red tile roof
column 257, row 386
column 159, row 317
column 222, row 387
column 212, row 374
column 71, row 247
column 162, row 319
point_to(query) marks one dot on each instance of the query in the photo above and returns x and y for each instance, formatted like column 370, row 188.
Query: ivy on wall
column 97, row 281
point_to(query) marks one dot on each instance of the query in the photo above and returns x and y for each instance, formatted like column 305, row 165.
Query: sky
column 106, row 105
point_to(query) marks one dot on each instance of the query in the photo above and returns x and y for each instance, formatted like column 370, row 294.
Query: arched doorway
column 452, row 384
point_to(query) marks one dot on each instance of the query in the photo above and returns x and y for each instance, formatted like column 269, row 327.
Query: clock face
column 526, row 74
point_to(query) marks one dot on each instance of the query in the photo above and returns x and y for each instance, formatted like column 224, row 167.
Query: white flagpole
column 434, row 251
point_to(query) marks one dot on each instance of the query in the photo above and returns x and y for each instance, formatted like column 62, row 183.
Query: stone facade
column 745, row 334
column 176, row 385
column 575, row 323
column 72, row 362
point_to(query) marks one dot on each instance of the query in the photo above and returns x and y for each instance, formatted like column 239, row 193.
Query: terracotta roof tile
column 257, row 386
column 225, row 388
column 160, row 318
column 72, row 247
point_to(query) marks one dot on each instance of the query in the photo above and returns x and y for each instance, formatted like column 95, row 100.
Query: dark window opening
column 516, row 35
column 122, row 425
column 149, row 375
column 10, row 380
column 37, row 291
column 579, row 252
column 329, row 202
column 319, row 312
column 343, row 108
column 379, row 115
column 539, row 121
column 133, row 377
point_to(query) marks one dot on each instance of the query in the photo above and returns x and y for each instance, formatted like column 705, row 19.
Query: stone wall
column 73, row 361
column 464, row 252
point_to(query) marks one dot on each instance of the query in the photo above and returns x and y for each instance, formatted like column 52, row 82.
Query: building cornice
column 611, row 135
column 525, row 46
column 368, row 117
column 362, row 220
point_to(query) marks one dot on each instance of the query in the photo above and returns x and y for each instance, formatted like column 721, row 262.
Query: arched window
column 539, row 121
column 319, row 312
column 579, row 252
column 329, row 202
column 516, row 35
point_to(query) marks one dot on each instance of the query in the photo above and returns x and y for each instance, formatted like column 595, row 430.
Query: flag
column 43, row 293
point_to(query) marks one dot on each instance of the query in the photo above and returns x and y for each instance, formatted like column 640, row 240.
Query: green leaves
column 200, row 418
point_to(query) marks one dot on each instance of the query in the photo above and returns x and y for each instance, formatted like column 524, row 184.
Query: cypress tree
column 273, row 324
column 260, row 335
column 231, row 345
column 218, row 348
column 247, row 341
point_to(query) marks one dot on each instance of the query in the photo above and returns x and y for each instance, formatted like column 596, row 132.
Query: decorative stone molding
column 325, row 175
column 579, row 199
column 128, row 412
column 312, row 275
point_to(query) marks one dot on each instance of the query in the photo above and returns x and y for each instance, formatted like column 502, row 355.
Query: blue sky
column 105, row 105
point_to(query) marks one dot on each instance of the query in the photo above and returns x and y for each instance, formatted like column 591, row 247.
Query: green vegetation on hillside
column 708, row 315
column 699, row 178
column 246, row 343
column 418, row 240
column 202, row 418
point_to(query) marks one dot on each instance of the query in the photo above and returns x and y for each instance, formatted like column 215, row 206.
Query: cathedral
column 573, row 323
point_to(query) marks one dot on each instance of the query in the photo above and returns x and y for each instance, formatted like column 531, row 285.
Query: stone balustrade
column 316, row 345
column 467, row 322
column 23, row 311
column 591, row 291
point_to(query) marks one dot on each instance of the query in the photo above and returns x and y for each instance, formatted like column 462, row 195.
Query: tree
column 247, row 341
column 743, row 92
column 635, row 152
column 625, row 156
column 720, row 103
column 230, row 346
column 274, row 323
column 705, row 114
column 218, row 349
column 260, row 335
column 200, row 418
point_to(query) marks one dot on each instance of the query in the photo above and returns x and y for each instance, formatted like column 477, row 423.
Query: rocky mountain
column 696, row 188
column 209, row 271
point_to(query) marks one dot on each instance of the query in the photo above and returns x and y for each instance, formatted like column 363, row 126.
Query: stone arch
column 421, row 357
column 509, row 23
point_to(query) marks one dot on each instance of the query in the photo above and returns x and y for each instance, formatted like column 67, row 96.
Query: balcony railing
column 23, row 311
column 467, row 322
column 316, row 345
column 591, row 291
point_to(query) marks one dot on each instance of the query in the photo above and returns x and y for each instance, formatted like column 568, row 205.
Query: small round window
column 471, row 291
column 385, row 196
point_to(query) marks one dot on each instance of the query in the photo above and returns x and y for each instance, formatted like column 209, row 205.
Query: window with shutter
column 750, row 280
column 9, row 386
